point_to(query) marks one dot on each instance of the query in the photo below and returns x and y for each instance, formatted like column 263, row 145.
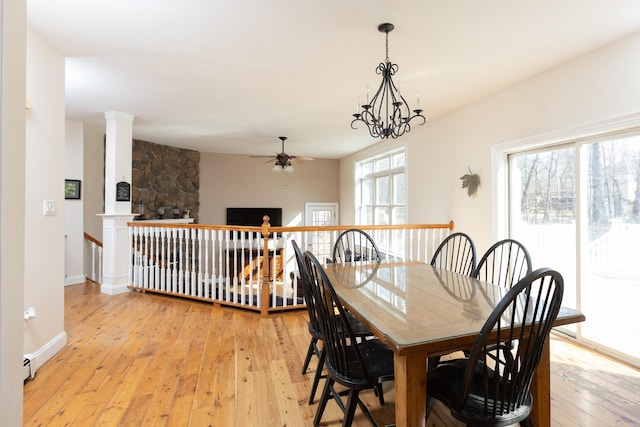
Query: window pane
column 542, row 197
column 398, row 189
column 382, row 216
column 397, row 160
column 367, row 192
column 366, row 168
column 398, row 215
column 366, row 215
column 610, row 256
column 382, row 164
column 382, row 190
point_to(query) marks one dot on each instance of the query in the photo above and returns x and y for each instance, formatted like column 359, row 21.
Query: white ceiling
column 230, row 76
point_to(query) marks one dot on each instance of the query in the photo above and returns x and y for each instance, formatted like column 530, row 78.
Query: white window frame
column 391, row 172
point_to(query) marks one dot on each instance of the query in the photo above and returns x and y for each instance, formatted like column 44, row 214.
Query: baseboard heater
column 27, row 374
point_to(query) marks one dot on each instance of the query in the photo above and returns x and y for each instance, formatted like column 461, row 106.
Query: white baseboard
column 114, row 289
column 74, row 280
column 46, row 352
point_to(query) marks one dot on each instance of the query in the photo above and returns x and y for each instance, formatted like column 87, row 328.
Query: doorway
column 576, row 207
column 320, row 215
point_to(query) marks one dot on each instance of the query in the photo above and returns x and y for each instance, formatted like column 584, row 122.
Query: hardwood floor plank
column 141, row 359
column 87, row 416
column 137, row 410
column 117, row 406
column 182, row 405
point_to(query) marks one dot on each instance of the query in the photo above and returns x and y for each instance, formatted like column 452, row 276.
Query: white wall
column 13, row 23
column 93, row 192
column 592, row 88
column 74, row 236
column 44, row 235
column 239, row 181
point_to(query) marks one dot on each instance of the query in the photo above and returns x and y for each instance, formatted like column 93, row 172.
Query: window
column 576, row 207
column 380, row 199
column 380, row 189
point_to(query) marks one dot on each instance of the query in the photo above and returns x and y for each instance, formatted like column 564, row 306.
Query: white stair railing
column 93, row 256
column 238, row 266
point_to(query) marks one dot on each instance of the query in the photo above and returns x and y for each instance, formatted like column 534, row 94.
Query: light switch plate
column 49, row 207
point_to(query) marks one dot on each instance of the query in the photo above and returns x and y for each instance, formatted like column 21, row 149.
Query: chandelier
column 388, row 114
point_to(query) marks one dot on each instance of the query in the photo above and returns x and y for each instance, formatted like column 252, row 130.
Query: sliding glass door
column 576, row 207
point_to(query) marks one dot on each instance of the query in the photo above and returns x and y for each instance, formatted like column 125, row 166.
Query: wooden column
column 264, row 289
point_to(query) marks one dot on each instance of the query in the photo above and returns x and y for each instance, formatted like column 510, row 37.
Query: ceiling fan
column 283, row 160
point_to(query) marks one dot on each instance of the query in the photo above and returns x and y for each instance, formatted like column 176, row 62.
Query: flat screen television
column 253, row 216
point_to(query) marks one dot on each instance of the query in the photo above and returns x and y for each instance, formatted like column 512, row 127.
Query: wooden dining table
column 421, row 311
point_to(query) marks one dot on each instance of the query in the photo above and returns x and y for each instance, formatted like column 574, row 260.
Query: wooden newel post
column 264, row 289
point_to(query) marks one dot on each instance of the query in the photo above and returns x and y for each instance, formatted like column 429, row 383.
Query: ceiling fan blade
column 262, row 157
column 300, row 159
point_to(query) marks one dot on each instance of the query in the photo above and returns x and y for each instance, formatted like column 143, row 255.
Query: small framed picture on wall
column 72, row 189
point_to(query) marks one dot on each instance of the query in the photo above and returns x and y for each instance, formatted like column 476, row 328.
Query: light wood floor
column 148, row 360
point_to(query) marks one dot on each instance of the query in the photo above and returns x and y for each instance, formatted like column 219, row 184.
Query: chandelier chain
column 387, row 47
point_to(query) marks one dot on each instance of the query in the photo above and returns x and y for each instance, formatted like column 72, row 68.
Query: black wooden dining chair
column 483, row 391
column 359, row 330
column 355, row 245
column 504, row 263
column 456, row 253
column 356, row 365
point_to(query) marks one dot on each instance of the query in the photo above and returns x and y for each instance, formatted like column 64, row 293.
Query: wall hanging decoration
column 123, row 191
column 470, row 181
column 72, row 189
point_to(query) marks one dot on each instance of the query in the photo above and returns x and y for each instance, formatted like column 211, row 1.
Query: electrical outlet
column 49, row 207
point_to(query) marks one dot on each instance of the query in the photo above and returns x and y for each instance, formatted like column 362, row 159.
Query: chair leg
column 318, row 375
column 326, row 395
column 310, row 352
column 366, row 412
column 380, row 394
column 352, row 402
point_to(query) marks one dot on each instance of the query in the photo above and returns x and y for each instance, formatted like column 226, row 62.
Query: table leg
column 411, row 390
column 541, row 390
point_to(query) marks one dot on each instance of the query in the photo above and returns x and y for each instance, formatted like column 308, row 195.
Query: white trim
column 378, row 149
column 614, row 124
column 115, row 289
column 75, row 280
column 47, row 351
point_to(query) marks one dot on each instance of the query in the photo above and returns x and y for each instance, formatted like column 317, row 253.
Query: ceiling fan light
column 289, row 168
column 277, row 168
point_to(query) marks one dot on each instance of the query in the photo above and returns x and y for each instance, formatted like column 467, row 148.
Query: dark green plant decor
column 470, row 181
